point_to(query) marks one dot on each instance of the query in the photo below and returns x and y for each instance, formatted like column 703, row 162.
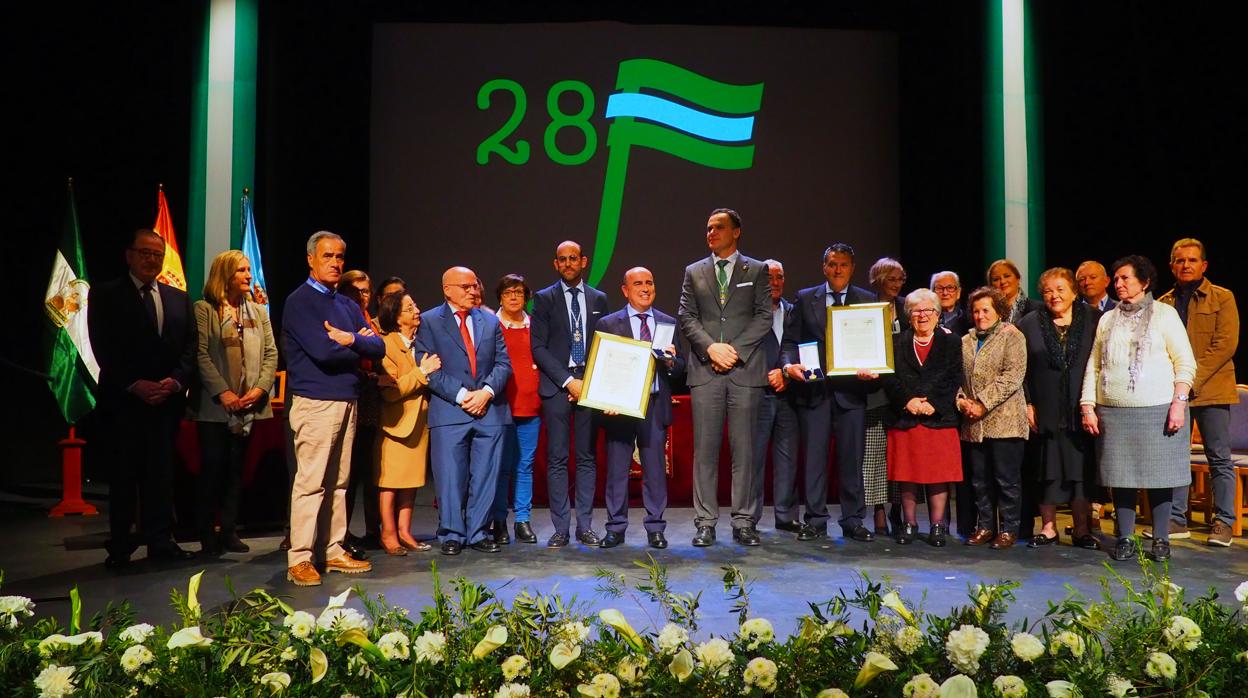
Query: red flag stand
column 71, row 475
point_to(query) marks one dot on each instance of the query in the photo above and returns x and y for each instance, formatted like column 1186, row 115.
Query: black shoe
column 938, row 537
column 116, row 562
column 524, row 532
column 613, row 539
column 861, row 534
column 485, row 545
column 1087, row 541
column 588, row 537
column 501, row 536
column 656, row 539
column 705, row 537
column 209, row 547
column 231, row 543
column 1124, row 550
column 369, row 541
column 169, row 553
column 1161, row 550
column 790, row 526
column 1040, row 540
column 809, row 532
column 352, row 547
column 907, row 533
column 285, row 544
column 558, row 540
column 746, row 535
column 452, row 547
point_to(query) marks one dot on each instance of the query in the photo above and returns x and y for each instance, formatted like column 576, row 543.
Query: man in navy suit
column 565, row 315
column 143, row 336
column 639, row 320
column 837, row 405
column 468, row 411
column 777, row 420
column 1093, row 285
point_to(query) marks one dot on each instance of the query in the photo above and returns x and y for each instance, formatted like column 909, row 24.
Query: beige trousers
column 324, row 431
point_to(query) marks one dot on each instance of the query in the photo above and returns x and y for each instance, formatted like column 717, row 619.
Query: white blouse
column 1168, row 359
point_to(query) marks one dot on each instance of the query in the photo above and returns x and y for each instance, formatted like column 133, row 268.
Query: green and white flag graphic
column 72, row 370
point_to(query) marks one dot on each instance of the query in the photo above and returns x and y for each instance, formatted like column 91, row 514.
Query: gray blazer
column 259, row 361
column 742, row 321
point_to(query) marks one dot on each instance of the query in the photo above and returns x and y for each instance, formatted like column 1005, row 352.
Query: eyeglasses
column 512, row 292
column 466, row 288
column 945, row 289
column 924, row 311
column 148, row 254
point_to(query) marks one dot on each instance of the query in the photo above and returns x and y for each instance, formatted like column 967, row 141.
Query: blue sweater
column 317, row 367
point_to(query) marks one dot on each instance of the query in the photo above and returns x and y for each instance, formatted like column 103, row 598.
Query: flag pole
column 71, row 478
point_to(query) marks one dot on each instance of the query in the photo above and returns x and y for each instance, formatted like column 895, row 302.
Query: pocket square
column 597, row 312
column 745, row 283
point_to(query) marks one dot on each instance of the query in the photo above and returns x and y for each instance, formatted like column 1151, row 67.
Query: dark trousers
column 964, row 495
column 996, row 474
column 564, row 421
column 712, row 402
column 363, row 479
column 142, row 472
column 1215, row 432
column 466, row 459
column 777, row 423
column 849, row 425
column 220, row 477
column 651, row 440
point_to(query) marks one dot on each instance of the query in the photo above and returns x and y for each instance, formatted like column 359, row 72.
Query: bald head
column 570, row 262
column 460, row 288
column 1092, row 281
column 638, row 288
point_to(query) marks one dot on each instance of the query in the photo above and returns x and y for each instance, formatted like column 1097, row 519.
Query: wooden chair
column 1201, row 492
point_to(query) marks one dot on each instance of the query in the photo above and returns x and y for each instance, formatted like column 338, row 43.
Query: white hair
column 919, row 295
column 323, row 235
column 774, row 263
column 932, row 284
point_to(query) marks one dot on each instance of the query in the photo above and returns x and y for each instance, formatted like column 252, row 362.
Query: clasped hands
column 723, row 357
column 234, row 404
column 476, row 402
column 155, row 392
column 973, row 409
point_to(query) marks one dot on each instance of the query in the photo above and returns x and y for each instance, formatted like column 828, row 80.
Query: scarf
column 1017, row 307
column 984, row 335
column 1134, row 319
column 1061, row 353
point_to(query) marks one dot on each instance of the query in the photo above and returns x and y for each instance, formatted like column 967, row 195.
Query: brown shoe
column 1177, row 532
column 347, row 565
column 1004, row 539
column 1220, row 535
column 981, row 536
column 304, row 574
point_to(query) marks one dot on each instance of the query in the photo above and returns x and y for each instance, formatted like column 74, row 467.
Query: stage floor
column 785, row 573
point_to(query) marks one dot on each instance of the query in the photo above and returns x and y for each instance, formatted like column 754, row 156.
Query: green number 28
column 519, row 154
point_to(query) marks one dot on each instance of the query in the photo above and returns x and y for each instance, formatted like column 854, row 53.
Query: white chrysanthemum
column 672, row 637
column 512, row 690
column 908, row 640
column 1160, row 666
column 1009, row 687
column 715, row 655
column 301, row 624
column 431, row 647
column 760, row 672
column 606, row 685
column 1119, row 687
column 573, row 631
column 393, row 645
column 275, row 681
column 755, row 632
column 921, row 686
column 139, row 632
column 11, row 607
column 1182, row 633
column 1068, row 639
column 514, row 666
column 831, row 693
column 1241, row 593
column 341, row 618
column 629, row 669
column 1026, row 646
column 1062, row 689
column 965, row 646
column 289, row 654
column 135, row 657
column 56, row 681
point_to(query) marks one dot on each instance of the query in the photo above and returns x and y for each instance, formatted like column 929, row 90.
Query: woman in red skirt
column 923, row 446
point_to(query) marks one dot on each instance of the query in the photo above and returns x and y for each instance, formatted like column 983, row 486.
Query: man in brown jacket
column 1212, row 323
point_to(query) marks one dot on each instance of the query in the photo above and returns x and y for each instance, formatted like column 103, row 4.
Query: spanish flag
column 171, row 273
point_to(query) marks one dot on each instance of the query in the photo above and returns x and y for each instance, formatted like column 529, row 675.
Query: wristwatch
column 1181, row 398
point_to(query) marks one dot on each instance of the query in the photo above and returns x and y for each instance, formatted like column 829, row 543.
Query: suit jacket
column 937, row 379
column 439, row 334
column 1213, row 329
column 404, row 408
column 259, row 361
column 994, row 376
column 743, row 321
column 812, row 326
column 1043, row 385
column 618, row 324
column 128, row 348
column 959, row 323
column 771, row 345
column 550, row 332
column 1109, row 304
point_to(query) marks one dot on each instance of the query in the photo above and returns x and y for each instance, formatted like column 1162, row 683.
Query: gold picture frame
column 863, row 332
column 618, row 375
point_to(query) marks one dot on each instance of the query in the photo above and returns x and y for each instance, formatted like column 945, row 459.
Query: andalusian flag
column 251, row 249
column 72, row 370
column 171, row 273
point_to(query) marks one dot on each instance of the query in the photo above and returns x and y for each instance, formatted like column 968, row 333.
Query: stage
column 786, row 573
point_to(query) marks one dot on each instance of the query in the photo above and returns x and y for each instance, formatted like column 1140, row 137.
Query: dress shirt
column 567, row 296
column 160, row 308
column 732, row 263
column 777, row 322
column 827, row 297
column 635, row 322
column 459, row 397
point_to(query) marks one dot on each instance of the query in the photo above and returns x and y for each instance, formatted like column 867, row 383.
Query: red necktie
column 463, row 332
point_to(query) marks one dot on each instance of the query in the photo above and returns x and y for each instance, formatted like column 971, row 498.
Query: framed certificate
column 618, row 375
column 859, row 336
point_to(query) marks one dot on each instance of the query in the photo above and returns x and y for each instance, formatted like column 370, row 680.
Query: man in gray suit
column 725, row 312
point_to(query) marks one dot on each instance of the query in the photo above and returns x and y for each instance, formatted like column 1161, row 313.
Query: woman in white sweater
column 1135, row 392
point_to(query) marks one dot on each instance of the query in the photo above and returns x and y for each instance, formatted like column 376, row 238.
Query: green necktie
column 723, row 280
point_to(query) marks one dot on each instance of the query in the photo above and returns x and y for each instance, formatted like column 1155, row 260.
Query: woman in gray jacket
column 237, row 360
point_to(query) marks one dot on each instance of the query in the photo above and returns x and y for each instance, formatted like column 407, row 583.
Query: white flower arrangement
column 1027, row 647
column 630, row 669
column 1009, row 687
column 56, row 681
column 908, row 640
column 137, row 633
column 755, row 632
column 921, row 686
column 958, row 686
column 188, row 638
column 394, row 645
column 13, row 607
column 340, row 618
column 512, row 690
column 1182, row 633
column 715, row 656
column 1061, row 689
column 1068, row 639
column 1160, row 666
column 300, row 623
column 965, row 646
column 831, row 693
column 431, row 647
column 1119, row 687
column 573, row 631
column 275, row 681
column 515, row 666
column 601, row 686
column 761, row 673
column 135, row 657
column 672, row 637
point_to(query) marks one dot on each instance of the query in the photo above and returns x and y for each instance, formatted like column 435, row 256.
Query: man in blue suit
column 639, row 320
column 565, row 315
column 466, row 421
column 837, row 405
